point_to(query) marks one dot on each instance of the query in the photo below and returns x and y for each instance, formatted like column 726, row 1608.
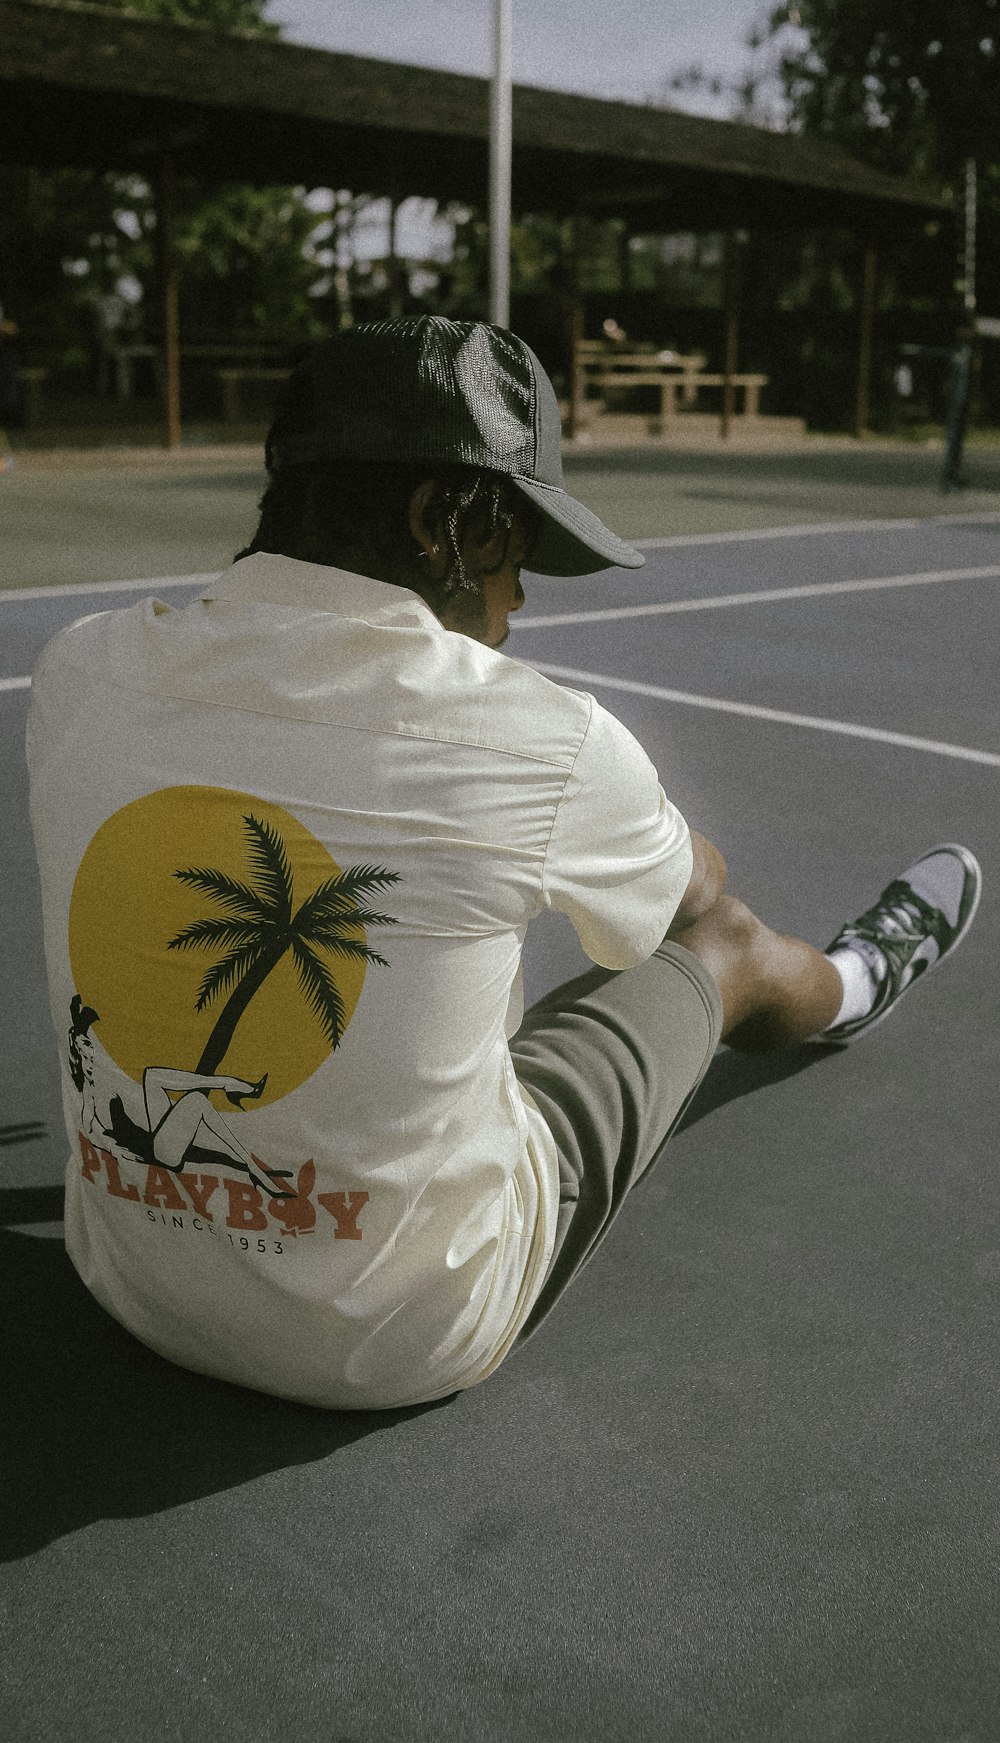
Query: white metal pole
column 500, row 163
column 970, row 235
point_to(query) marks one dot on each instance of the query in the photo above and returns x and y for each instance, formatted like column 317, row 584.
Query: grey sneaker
column 917, row 921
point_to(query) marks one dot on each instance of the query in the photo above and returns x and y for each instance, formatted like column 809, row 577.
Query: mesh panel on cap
column 496, row 384
column 548, row 427
column 427, row 389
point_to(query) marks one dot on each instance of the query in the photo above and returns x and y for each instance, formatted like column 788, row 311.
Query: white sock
column 858, row 982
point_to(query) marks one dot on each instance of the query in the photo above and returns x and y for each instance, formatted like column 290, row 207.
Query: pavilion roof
column 82, row 84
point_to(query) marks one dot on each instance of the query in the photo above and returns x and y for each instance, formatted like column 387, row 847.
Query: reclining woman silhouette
column 175, row 1125
column 188, row 1130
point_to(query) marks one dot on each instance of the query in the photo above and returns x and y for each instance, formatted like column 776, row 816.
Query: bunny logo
column 297, row 1215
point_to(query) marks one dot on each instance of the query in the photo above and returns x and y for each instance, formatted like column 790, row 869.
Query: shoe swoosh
column 918, row 964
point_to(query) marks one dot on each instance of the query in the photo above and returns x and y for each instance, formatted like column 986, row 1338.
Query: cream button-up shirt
column 290, row 837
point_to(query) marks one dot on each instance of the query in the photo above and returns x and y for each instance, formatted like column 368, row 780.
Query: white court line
column 14, row 684
column 673, row 540
column 715, row 601
column 66, row 589
column 802, row 529
column 750, row 710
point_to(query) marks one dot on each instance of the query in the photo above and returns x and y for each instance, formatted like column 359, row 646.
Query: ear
column 425, row 529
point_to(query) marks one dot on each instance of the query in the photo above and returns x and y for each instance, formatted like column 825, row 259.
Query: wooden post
column 575, row 318
column 171, row 353
column 576, row 322
column 862, row 408
column 731, row 270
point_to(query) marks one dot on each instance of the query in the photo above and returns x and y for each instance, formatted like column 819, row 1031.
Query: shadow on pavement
column 733, row 1074
column 99, row 1427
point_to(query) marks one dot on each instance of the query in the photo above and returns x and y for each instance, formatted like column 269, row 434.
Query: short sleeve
column 619, row 857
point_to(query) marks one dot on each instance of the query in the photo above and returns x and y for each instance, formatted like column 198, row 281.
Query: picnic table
column 232, row 364
column 679, row 377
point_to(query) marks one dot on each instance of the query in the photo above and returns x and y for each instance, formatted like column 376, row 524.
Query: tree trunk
column 218, row 1042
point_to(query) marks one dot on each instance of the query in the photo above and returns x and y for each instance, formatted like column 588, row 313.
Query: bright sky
column 626, row 49
column 605, row 48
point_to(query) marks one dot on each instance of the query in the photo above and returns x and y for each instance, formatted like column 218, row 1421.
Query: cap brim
column 571, row 540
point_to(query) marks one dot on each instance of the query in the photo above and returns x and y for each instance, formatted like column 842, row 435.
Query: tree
column 243, row 15
column 912, row 86
column 69, row 238
column 754, row 96
column 260, row 924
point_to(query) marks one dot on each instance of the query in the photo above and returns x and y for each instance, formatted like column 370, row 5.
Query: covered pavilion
column 85, row 86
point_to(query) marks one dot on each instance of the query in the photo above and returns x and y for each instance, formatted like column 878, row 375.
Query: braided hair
column 355, row 515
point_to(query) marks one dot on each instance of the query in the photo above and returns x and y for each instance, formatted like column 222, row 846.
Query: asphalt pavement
column 741, row 1486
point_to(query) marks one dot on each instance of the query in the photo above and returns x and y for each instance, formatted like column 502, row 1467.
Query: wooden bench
column 750, row 385
column 670, row 383
column 601, row 366
column 594, row 358
column 675, row 376
column 231, row 381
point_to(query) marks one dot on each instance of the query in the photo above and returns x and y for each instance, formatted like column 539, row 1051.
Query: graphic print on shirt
column 190, row 871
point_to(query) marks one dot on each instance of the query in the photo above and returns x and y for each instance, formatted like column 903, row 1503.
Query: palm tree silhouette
column 259, row 926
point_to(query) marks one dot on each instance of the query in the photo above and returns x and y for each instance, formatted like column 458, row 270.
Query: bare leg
column 158, row 1079
column 175, row 1125
column 193, row 1114
column 227, row 1140
column 181, row 1126
column 776, row 991
column 177, row 1128
column 155, row 1097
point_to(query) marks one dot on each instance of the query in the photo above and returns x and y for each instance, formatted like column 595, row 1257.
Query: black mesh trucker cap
column 429, row 390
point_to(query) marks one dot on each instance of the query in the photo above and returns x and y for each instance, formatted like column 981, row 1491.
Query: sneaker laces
column 898, row 922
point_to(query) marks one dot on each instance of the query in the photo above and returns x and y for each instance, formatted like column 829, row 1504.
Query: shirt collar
column 267, row 579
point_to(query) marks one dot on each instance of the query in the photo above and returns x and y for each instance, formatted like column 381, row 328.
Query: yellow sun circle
column 127, row 905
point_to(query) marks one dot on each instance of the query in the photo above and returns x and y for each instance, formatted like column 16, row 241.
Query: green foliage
column 68, row 237
column 547, row 256
column 49, row 223
column 911, row 86
column 243, row 15
column 245, row 263
column 260, row 925
column 538, row 246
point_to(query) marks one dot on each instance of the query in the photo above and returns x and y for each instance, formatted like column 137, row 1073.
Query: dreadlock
column 355, row 516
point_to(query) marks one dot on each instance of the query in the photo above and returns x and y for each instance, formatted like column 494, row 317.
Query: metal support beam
column 170, row 373
column 969, row 250
column 500, row 165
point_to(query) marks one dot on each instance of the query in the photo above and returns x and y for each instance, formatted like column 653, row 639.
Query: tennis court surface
column 743, row 1483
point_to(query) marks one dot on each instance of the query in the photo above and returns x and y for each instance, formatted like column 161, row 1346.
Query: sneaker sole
column 966, row 914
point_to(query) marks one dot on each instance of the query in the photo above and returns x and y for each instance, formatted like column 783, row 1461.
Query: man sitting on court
column 329, row 753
